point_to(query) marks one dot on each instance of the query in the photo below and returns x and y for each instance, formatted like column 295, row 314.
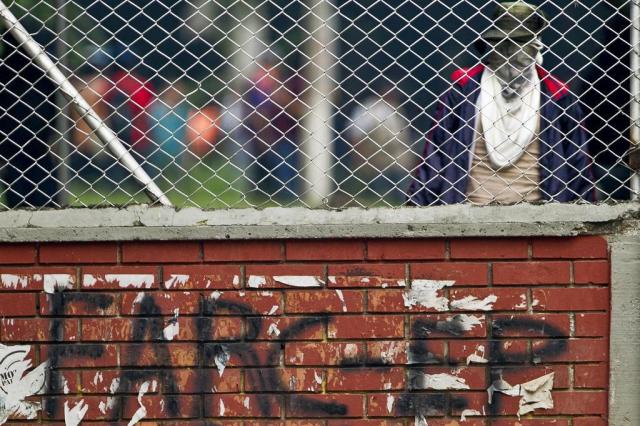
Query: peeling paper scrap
column 468, row 412
column 17, row 386
column 176, row 280
column 298, row 280
column 256, row 281
column 425, row 294
column 13, row 281
column 472, row 303
column 141, row 412
column 534, row 394
column 220, row 358
column 57, row 282
column 477, row 358
column 73, row 416
column 442, row 381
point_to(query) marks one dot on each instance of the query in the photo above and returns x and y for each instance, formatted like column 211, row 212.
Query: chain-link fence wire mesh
column 318, row 103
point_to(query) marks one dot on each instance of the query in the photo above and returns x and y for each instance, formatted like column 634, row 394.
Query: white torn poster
column 298, row 280
column 477, row 358
column 533, row 394
column 441, row 381
column 141, row 412
column 16, row 386
column 425, row 293
column 472, row 303
column 73, row 416
column 468, row 412
column 220, row 358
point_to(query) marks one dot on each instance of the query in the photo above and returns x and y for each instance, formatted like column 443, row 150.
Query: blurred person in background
column 28, row 112
column 272, row 117
column 381, row 140
column 169, row 116
column 507, row 131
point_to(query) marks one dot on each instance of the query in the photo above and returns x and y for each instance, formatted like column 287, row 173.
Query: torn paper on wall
column 477, row 356
column 468, row 412
column 533, row 394
column 141, row 412
column 73, row 416
column 298, row 280
column 173, row 328
column 220, row 358
column 425, row 294
column 441, row 381
column 472, row 303
column 16, row 386
column 57, row 282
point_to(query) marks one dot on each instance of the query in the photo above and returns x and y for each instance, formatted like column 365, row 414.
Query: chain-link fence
column 249, row 103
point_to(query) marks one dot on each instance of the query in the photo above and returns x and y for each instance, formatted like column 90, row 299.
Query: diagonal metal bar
column 104, row 133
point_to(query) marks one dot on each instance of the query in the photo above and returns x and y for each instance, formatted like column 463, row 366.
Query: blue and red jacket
column 565, row 166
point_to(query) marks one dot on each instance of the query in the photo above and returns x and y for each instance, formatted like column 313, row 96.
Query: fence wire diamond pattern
column 317, row 103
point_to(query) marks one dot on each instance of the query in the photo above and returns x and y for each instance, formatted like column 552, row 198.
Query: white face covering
column 509, row 103
column 509, row 123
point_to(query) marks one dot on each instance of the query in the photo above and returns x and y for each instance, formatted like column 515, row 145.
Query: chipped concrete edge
column 160, row 223
column 624, row 348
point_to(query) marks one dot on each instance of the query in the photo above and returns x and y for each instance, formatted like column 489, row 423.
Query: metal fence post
column 635, row 89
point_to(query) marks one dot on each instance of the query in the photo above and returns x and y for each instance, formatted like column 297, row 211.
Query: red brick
column 402, row 405
column 241, row 354
column 160, row 303
column 158, row 354
column 324, row 250
column 391, row 352
column 275, row 276
column 324, row 354
column 283, row 379
column 539, row 325
column 79, row 304
column 161, row 251
column 366, row 275
column 570, row 350
column 461, row 272
column 513, row 273
column 289, row 328
column 473, row 377
column 242, row 405
column 474, row 400
column 365, row 379
column 63, row 382
column 592, row 325
column 591, row 272
column 591, row 376
column 413, row 249
column 529, row 422
column 80, row 355
column 102, row 380
column 393, row 301
column 571, row 299
column 37, row 330
column 218, row 328
column 119, row 278
column 590, row 421
column 202, row 277
column 343, row 405
column 245, row 302
column 363, row 422
column 190, row 380
column 78, row 252
column 489, row 248
column 569, row 403
column 518, row 374
column 125, row 329
column 243, row 251
column 281, row 423
column 366, row 327
column 17, row 253
column 584, row 247
column 319, row 301
column 32, row 279
column 507, row 299
column 495, row 351
column 18, row 304
column 156, row 406
column 92, row 402
column 448, row 325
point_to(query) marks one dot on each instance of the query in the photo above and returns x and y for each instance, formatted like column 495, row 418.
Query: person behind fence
column 507, row 131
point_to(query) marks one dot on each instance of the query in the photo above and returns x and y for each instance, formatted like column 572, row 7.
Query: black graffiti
column 148, row 325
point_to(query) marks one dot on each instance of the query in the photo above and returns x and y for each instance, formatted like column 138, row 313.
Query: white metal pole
column 316, row 124
column 104, row 133
column 635, row 89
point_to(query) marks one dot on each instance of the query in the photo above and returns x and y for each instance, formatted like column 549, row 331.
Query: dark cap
column 516, row 20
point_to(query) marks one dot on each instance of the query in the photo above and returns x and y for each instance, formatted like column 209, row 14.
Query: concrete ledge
column 160, row 223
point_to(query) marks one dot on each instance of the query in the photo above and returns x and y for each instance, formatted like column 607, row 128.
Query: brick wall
column 340, row 332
